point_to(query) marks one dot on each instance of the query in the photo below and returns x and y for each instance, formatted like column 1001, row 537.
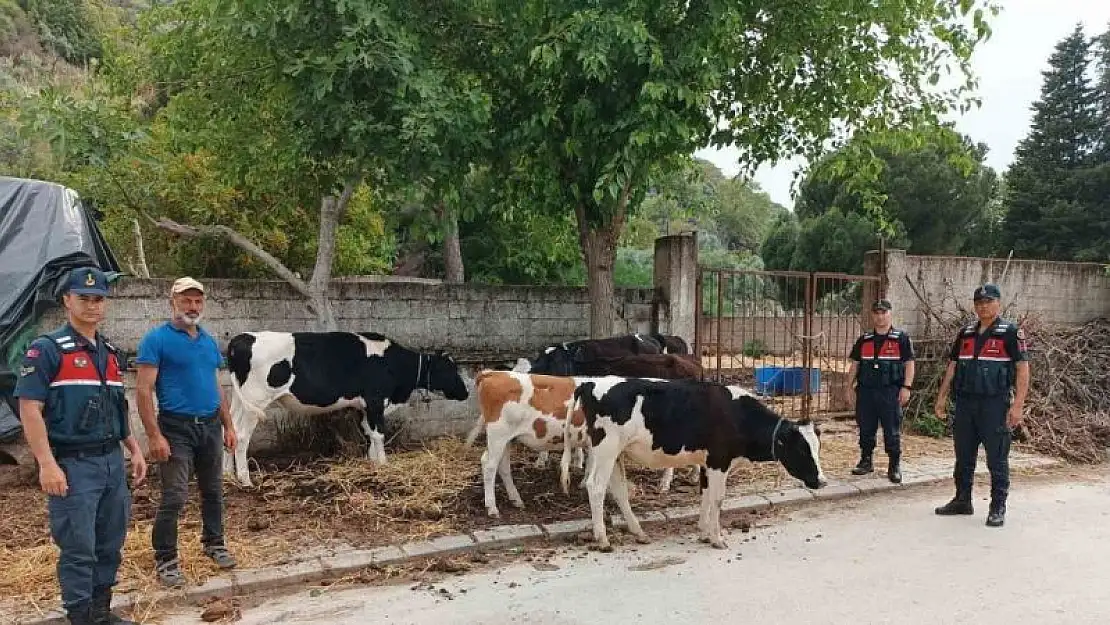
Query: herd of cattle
column 638, row 396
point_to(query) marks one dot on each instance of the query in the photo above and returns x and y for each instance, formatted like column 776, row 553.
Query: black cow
column 564, row 358
column 679, row 423
column 318, row 372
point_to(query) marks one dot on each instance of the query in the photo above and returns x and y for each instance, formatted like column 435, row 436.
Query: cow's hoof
column 704, row 539
column 494, row 513
column 643, row 539
column 606, row 548
column 518, row 504
column 719, row 544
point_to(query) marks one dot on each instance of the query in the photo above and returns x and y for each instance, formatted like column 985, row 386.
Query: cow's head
column 554, row 360
column 444, row 377
column 798, row 447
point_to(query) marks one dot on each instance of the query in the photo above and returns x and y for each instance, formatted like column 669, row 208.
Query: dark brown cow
column 665, row 366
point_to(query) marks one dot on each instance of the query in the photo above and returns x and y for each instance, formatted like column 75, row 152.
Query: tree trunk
column 599, row 250
column 600, row 254
column 452, row 250
column 315, row 290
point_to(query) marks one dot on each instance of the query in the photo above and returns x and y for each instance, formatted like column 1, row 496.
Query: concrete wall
column 480, row 325
column 472, row 321
column 1058, row 292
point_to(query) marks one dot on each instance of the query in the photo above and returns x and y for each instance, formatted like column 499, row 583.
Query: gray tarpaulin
column 45, row 230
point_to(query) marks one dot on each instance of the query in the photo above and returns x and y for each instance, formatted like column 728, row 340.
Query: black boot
column 101, row 612
column 960, row 504
column 80, row 614
column 996, row 517
column 894, row 469
column 864, row 466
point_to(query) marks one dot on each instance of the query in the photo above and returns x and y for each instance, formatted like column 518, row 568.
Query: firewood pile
column 1067, row 411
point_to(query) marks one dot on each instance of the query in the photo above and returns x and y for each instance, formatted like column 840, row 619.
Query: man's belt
column 84, row 451
column 180, row 416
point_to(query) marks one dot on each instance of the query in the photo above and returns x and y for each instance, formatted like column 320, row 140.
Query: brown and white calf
column 530, row 409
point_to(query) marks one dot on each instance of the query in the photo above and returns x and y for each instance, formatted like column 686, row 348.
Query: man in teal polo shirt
column 179, row 361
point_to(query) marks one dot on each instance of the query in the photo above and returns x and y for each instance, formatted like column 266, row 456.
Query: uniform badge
column 80, row 362
column 33, row 352
column 26, row 370
column 89, row 279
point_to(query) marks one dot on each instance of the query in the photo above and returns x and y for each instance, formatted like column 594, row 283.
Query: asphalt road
column 881, row 559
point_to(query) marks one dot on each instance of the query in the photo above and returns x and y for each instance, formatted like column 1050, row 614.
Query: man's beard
column 190, row 319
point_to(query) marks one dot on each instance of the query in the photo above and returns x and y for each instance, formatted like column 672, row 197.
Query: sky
column 1008, row 67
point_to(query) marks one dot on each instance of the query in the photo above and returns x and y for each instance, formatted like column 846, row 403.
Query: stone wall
column 1058, row 292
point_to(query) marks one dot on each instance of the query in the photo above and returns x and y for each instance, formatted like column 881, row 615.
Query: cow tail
column 568, row 446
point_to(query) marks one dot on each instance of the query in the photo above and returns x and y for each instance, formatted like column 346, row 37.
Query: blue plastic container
column 772, row 380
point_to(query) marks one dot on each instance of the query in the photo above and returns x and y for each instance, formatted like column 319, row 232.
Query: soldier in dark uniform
column 883, row 370
column 74, row 415
column 987, row 363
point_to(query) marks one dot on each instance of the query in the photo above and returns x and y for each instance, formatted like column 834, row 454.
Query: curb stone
column 319, row 568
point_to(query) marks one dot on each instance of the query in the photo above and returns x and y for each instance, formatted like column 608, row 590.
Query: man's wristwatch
column 907, row 387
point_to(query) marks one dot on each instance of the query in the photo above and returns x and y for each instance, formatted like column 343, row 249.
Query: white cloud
column 1008, row 67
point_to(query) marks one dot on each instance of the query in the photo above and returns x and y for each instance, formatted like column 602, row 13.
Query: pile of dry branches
column 1067, row 412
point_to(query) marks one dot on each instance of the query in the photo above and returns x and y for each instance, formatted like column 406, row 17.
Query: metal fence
column 785, row 334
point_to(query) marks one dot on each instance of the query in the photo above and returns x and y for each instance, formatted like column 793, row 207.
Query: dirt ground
column 299, row 505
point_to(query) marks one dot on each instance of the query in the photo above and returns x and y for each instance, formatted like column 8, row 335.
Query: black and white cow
column 318, row 372
column 680, row 423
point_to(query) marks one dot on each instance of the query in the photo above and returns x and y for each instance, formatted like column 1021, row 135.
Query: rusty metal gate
column 785, row 334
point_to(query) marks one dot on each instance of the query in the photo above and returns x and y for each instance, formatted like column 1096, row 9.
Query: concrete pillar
column 676, row 275
column 892, row 270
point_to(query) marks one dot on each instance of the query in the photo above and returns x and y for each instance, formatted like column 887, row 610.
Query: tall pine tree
column 1046, row 216
column 1102, row 71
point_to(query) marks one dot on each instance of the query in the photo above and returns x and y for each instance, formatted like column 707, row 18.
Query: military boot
column 864, row 466
column 996, row 517
column 80, row 615
column 894, row 469
column 960, row 504
column 101, row 609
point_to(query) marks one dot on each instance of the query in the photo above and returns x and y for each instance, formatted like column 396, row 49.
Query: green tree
column 932, row 184
column 591, row 97
column 1044, row 218
column 361, row 95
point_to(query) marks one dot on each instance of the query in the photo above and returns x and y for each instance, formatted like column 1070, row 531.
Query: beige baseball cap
column 184, row 284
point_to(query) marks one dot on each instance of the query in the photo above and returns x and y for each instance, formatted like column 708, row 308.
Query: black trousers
column 194, row 446
column 879, row 406
column 981, row 420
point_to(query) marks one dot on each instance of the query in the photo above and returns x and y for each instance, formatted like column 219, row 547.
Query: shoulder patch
column 1021, row 333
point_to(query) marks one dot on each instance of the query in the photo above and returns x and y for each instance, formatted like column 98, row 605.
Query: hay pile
column 422, row 491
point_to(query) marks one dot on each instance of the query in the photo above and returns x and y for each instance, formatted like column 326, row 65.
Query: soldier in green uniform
column 989, row 373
